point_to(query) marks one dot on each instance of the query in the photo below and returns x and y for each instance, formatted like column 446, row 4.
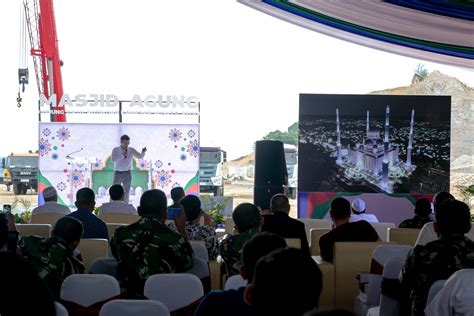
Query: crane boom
column 39, row 18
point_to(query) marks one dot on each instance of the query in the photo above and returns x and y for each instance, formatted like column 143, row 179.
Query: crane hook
column 18, row 100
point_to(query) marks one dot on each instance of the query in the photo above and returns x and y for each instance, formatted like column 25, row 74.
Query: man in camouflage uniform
column 149, row 247
column 247, row 222
column 438, row 259
column 54, row 258
column 422, row 215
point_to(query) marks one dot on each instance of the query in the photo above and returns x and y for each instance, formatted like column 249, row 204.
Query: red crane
column 39, row 23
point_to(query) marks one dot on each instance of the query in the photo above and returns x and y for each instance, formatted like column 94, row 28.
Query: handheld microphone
column 68, row 156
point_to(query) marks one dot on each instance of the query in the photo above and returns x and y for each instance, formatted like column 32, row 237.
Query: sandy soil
column 242, row 191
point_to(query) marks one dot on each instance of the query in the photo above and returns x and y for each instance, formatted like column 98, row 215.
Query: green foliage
column 288, row 137
column 216, row 208
column 421, row 71
column 96, row 211
column 21, row 205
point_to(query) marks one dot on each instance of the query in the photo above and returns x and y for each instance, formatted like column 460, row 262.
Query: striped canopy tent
column 436, row 30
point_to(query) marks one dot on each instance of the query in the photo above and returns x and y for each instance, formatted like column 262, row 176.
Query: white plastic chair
column 200, row 268
column 104, row 265
column 389, row 306
column 380, row 256
column 200, row 250
column 88, row 289
column 382, row 229
column 174, row 290
column 235, row 282
column 133, row 308
column 60, row 309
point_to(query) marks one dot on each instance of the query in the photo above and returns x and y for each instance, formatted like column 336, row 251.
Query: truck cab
column 211, row 167
column 291, row 156
column 21, row 172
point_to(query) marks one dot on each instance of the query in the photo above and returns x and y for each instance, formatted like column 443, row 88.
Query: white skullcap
column 49, row 193
column 358, row 205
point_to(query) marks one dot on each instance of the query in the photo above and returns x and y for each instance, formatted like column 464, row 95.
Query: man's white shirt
column 51, row 207
column 117, row 207
column 125, row 164
column 371, row 218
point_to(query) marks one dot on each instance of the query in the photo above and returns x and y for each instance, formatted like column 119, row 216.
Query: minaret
column 368, row 126
column 385, row 149
column 410, row 138
column 338, row 145
column 387, row 126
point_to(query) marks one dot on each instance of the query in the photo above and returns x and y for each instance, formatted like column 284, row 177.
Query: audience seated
column 280, row 222
column 51, row 204
column 177, row 194
column 149, row 247
column 232, row 301
column 456, row 297
column 94, row 227
column 427, row 233
column 54, row 258
column 439, row 259
column 358, row 208
column 191, row 207
column 286, row 282
column 247, row 222
column 344, row 230
column 422, row 215
column 22, row 291
column 117, row 203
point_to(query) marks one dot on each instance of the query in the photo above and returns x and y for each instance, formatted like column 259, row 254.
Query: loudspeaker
column 270, row 171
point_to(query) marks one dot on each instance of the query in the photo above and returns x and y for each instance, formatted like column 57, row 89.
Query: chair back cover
column 88, row 289
column 174, row 290
column 235, row 282
column 311, row 223
column 104, row 265
column 42, row 230
column 134, row 308
column 92, row 249
column 200, row 250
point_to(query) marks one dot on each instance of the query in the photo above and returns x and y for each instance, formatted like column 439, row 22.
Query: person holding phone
column 122, row 156
column 191, row 207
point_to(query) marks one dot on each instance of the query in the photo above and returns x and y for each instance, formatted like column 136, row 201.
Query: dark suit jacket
column 282, row 224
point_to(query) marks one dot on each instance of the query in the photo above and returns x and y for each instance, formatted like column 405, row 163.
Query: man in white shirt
column 456, row 298
column 51, row 204
column 358, row 212
column 122, row 156
column 117, row 204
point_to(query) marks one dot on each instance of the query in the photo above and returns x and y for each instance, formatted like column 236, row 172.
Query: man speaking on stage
column 122, row 157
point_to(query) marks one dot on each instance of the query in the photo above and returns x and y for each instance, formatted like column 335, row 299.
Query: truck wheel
column 292, row 193
column 17, row 188
column 24, row 190
column 8, row 188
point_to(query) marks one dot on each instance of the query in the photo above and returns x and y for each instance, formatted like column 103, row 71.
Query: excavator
column 38, row 27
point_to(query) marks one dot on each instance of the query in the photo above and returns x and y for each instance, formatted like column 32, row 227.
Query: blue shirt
column 94, row 227
column 229, row 303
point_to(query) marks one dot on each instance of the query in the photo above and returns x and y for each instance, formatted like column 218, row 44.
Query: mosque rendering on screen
column 374, row 161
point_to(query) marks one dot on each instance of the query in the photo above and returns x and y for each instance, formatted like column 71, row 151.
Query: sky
column 247, row 68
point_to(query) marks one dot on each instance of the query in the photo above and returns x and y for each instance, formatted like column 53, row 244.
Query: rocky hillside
column 462, row 120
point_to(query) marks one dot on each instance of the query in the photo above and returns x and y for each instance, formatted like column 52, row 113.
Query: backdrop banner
column 388, row 150
column 73, row 155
